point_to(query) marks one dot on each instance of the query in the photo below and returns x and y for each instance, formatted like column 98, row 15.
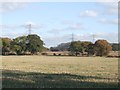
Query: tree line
column 99, row 48
column 31, row 44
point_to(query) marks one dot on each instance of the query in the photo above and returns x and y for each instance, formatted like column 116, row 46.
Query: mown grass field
column 59, row 72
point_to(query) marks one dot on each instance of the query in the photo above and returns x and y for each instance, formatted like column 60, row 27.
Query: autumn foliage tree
column 102, row 47
column 6, row 45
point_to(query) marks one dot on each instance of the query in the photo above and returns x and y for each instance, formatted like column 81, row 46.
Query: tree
column 30, row 43
column 17, row 49
column 45, row 49
column 91, row 49
column 19, row 44
column 85, row 45
column 115, row 46
column 54, row 49
column 76, row 47
column 34, row 43
column 102, row 47
column 6, row 45
column 0, row 46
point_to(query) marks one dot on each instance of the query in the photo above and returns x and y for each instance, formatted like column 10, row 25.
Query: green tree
column 102, row 47
column 85, row 45
column 76, row 47
column 17, row 49
column 31, row 43
column 19, row 44
column 115, row 46
column 91, row 49
column 34, row 44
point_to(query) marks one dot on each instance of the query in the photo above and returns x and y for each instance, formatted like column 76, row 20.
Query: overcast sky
column 55, row 22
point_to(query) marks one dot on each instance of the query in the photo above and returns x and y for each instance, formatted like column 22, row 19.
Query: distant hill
column 61, row 47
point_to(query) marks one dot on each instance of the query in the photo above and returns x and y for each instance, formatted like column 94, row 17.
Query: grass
column 59, row 72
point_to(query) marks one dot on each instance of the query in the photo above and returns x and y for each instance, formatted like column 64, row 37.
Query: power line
column 29, row 28
column 72, row 37
column 93, row 36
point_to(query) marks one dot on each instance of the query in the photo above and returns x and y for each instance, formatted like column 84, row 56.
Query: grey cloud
column 55, row 40
column 89, row 13
column 110, row 7
column 11, row 6
column 107, row 21
column 70, row 27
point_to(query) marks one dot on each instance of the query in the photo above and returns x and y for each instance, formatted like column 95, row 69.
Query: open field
column 58, row 72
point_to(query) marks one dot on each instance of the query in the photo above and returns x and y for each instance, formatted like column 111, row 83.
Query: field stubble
column 55, row 69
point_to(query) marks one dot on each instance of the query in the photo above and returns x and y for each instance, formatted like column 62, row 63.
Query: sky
column 55, row 22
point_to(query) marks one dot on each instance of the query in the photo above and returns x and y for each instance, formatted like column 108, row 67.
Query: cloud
column 50, row 41
column 56, row 39
column 9, row 27
column 112, row 37
column 67, row 22
column 109, row 7
column 70, row 27
column 55, row 31
column 89, row 13
column 25, row 25
column 62, row 0
column 76, row 26
column 11, row 6
column 108, row 0
column 33, row 25
column 107, row 21
column 13, row 34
